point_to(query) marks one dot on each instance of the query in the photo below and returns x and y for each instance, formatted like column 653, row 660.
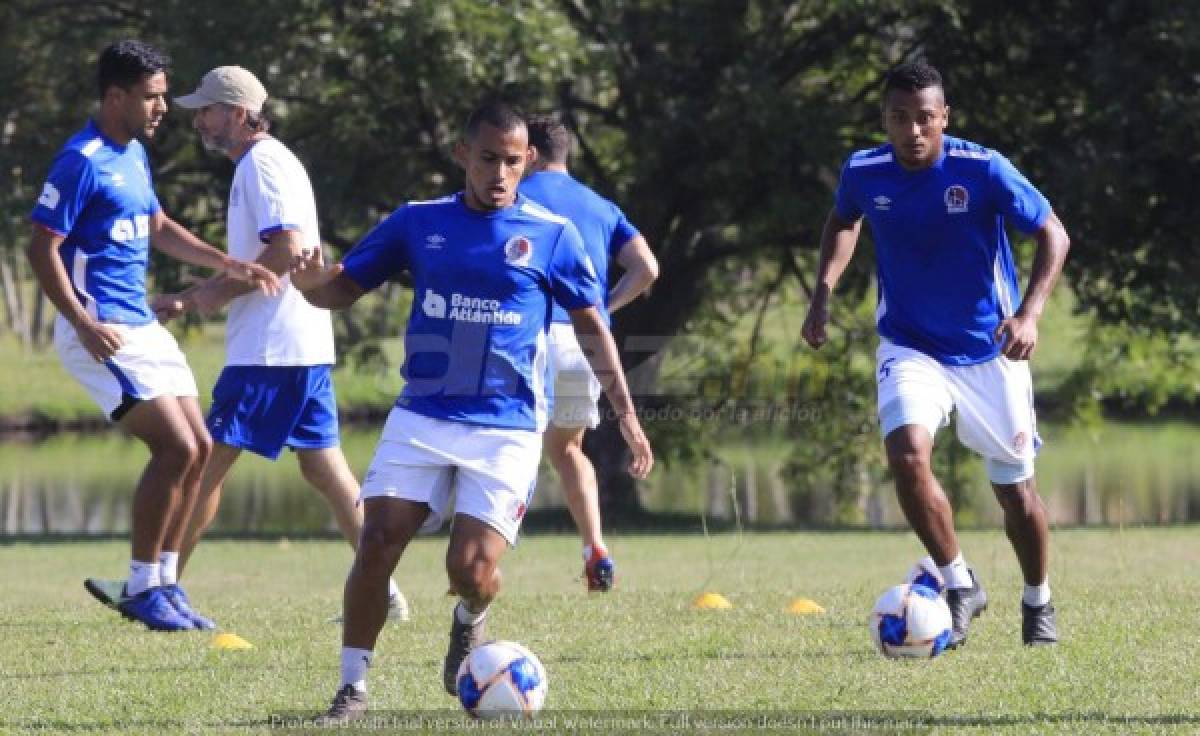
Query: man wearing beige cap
column 276, row 389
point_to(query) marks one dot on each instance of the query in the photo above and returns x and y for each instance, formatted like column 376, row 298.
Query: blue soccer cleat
column 154, row 609
column 180, row 601
column 600, row 572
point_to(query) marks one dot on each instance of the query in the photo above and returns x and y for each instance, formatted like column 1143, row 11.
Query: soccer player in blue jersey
column 607, row 235
column 486, row 265
column 94, row 222
column 276, row 389
column 954, row 332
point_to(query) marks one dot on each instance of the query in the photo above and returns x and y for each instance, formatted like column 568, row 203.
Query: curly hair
column 912, row 77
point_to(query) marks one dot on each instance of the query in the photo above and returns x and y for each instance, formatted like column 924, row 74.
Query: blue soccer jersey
column 483, row 285
column 945, row 268
column 99, row 197
column 601, row 223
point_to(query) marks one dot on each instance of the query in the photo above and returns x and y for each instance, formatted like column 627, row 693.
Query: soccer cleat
column 108, row 592
column 348, row 705
column 181, row 603
column 600, row 572
column 1038, row 624
column 463, row 638
column 154, row 609
column 965, row 604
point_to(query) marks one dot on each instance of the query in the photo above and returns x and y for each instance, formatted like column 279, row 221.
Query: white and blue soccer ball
column 926, row 573
column 910, row 621
column 501, row 679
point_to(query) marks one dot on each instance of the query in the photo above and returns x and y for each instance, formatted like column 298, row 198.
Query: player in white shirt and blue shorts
column 276, row 390
column 94, row 223
column 955, row 334
column 464, row 438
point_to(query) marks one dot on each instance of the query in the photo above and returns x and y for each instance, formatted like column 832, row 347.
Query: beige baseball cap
column 232, row 85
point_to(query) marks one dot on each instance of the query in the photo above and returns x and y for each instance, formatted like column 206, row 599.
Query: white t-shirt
column 271, row 192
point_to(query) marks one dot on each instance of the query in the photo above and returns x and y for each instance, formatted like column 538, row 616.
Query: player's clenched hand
column 167, row 307
column 100, row 340
column 253, row 273
column 308, row 270
column 643, row 456
column 1017, row 336
column 813, row 330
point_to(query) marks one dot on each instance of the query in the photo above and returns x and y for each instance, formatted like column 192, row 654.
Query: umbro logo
column 117, row 179
column 883, row 203
column 437, row 240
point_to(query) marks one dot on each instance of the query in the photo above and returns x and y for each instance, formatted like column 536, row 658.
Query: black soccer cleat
column 349, row 705
column 1038, row 625
column 965, row 604
column 463, row 638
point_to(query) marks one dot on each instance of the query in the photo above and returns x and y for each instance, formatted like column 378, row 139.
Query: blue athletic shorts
column 266, row 408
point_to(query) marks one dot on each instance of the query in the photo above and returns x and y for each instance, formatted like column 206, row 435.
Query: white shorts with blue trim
column 484, row 472
column 576, row 389
column 994, row 402
column 148, row 365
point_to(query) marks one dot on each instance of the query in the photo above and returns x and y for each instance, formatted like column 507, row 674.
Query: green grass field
column 1127, row 604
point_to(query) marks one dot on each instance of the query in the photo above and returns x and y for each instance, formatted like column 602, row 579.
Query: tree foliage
column 720, row 125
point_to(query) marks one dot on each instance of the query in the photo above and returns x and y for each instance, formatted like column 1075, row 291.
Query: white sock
column 1037, row 595
column 168, row 567
column 355, row 663
column 466, row 617
column 142, row 575
column 956, row 574
column 393, row 589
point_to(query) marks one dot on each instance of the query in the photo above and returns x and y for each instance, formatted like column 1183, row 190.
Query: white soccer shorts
column 994, row 402
column 485, row 472
column 148, row 365
column 576, row 389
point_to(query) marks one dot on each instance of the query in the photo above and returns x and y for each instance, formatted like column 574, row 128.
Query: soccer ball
column 501, row 679
column 910, row 621
column 926, row 573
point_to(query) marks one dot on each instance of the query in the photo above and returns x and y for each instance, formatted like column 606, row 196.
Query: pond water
column 80, row 484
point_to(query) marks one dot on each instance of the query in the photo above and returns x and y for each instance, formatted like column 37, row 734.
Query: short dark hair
column 496, row 112
column 913, row 76
column 550, row 137
column 125, row 63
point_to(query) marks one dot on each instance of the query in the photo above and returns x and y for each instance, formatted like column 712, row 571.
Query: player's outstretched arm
column 282, row 247
column 1018, row 335
column 602, row 356
column 174, row 239
column 838, row 241
column 328, row 288
column 641, row 269
column 101, row 341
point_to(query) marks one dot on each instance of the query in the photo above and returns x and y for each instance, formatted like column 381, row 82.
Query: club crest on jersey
column 957, row 199
column 516, row 509
column 1018, row 442
column 518, row 250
